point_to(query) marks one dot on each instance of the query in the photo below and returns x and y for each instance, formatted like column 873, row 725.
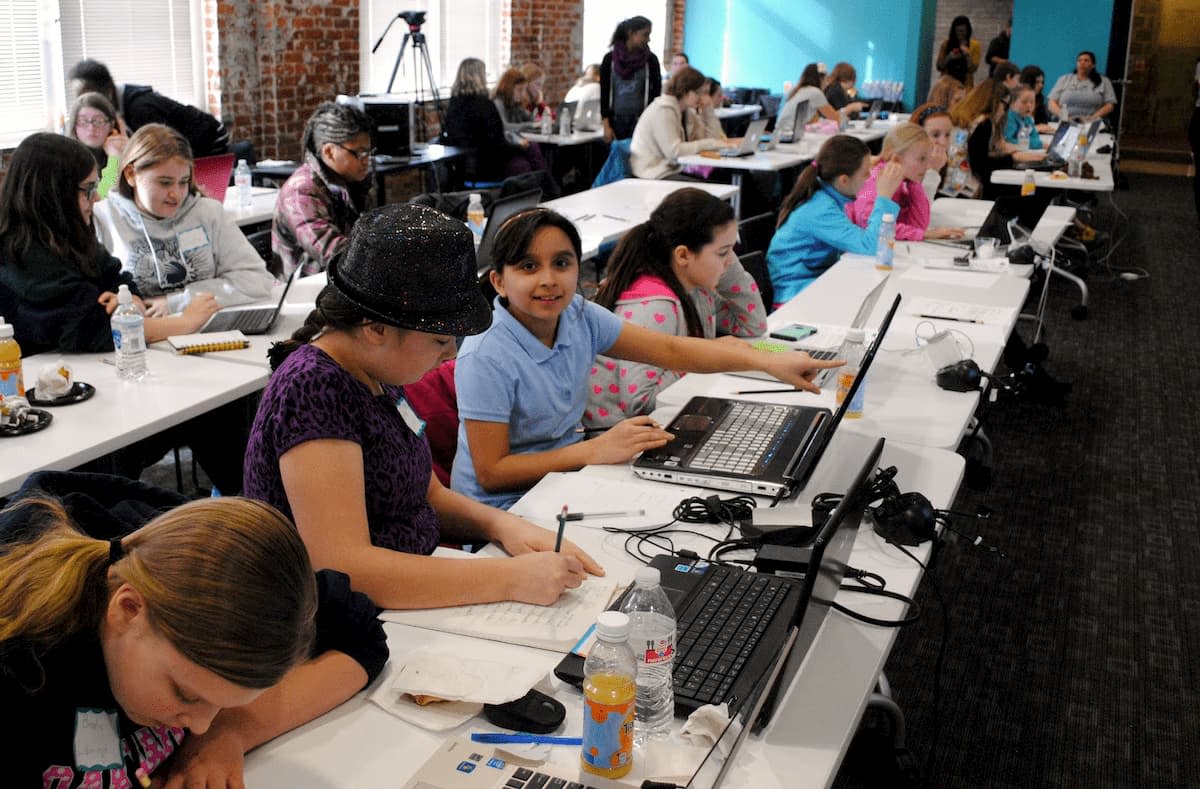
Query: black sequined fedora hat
column 413, row 267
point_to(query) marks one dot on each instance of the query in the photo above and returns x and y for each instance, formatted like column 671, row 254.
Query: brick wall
column 280, row 59
column 987, row 17
column 549, row 33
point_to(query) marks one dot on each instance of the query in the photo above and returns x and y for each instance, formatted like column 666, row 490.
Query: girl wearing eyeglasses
column 178, row 244
column 58, row 286
column 94, row 122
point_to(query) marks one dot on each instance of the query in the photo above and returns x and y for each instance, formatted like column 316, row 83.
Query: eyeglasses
column 95, row 123
column 89, row 190
column 362, row 156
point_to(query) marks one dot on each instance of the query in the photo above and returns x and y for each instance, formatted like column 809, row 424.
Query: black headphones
column 964, row 376
column 905, row 519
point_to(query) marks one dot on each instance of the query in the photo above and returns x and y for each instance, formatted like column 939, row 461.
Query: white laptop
column 749, row 141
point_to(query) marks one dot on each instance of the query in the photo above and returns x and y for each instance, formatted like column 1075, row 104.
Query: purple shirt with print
column 311, row 397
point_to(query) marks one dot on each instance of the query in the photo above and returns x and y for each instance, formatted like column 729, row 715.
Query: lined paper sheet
column 959, row 311
column 554, row 627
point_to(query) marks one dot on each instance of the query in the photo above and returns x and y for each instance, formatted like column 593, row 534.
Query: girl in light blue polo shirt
column 522, row 384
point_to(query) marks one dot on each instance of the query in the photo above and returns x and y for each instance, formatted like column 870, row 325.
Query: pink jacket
column 914, row 207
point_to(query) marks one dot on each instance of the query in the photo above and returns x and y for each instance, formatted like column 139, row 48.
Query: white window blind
column 453, row 29
column 144, row 42
column 24, row 107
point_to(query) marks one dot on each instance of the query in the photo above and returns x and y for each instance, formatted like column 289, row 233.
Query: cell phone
column 794, row 333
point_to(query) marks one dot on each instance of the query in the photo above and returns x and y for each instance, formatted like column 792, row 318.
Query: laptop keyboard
column 746, row 439
column 241, row 320
column 719, row 629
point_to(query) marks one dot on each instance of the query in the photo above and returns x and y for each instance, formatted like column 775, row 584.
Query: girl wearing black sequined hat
column 337, row 446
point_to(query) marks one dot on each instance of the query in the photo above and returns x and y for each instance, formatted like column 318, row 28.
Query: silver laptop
column 873, row 113
column 792, row 129
column 765, row 449
column 749, row 141
column 249, row 319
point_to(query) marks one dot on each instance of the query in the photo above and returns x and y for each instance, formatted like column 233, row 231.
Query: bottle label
column 653, row 651
column 607, row 734
column 11, row 382
column 845, row 381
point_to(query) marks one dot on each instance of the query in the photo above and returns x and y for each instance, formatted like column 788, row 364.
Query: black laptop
column 249, row 319
column 1061, row 145
column 766, row 449
column 502, row 209
column 732, row 624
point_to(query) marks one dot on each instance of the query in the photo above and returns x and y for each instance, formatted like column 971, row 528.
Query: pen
column 614, row 218
column 587, row 431
column 947, row 318
column 578, row 516
column 498, row 738
column 767, row 391
column 562, row 524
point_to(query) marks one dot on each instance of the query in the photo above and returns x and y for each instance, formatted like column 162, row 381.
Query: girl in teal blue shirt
column 814, row 228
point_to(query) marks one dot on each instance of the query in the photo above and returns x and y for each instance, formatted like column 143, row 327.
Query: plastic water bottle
column 241, row 179
column 12, row 381
column 1078, row 154
column 129, row 337
column 1023, row 135
column 476, row 218
column 885, row 248
column 652, row 636
column 853, row 349
column 547, row 121
column 843, row 121
column 564, row 122
column 609, row 693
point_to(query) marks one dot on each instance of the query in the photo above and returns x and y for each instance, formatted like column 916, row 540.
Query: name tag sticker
column 192, row 239
column 97, row 740
column 414, row 422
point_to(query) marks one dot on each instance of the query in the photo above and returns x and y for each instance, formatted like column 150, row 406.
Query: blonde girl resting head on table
column 909, row 146
column 523, row 384
column 336, row 445
column 114, row 652
column 675, row 274
column 177, row 243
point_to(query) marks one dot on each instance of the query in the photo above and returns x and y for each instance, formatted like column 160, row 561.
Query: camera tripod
column 414, row 20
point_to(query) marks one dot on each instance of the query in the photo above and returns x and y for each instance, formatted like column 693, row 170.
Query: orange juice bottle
column 854, row 350
column 12, row 383
column 609, row 699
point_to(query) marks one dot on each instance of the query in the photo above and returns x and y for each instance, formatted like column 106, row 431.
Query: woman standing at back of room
column 177, row 243
column 675, row 274
column 630, row 78
column 320, row 202
column 960, row 47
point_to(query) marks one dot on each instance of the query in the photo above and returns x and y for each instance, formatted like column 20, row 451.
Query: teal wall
column 1051, row 36
column 763, row 43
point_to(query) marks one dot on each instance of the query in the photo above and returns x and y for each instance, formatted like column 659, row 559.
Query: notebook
column 249, row 319
column 206, row 343
column 766, row 449
column 212, row 174
column 749, row 142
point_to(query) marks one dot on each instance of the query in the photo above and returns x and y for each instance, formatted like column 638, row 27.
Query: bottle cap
column 474, row 198
column 124, row 296
column 241, row 163
column 6, row 330
column 648, row 577
column 612, row 626
column 856, row 335
column 889, row 217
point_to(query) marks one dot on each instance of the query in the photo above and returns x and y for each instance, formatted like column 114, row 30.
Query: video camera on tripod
column 414, row 20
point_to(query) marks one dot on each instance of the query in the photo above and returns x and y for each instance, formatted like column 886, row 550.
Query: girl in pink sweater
column 910, row 146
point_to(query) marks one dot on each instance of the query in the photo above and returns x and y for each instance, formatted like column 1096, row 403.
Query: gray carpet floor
column 1074, row 660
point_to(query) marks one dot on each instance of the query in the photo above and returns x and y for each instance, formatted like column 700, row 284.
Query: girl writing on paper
column 116, row 653
column 523, row 383
column 814, row 229
column 675, row 274
column 336, row 445
column 177, row 243
column 909, row 146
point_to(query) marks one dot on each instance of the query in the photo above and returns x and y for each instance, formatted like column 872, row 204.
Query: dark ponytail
column 687, row 217
column 839, row 155
column 333, row 312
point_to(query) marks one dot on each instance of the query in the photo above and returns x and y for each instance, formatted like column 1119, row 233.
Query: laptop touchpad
column 688, row 423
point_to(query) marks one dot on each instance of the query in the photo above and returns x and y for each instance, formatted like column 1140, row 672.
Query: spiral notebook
column 208, row 341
